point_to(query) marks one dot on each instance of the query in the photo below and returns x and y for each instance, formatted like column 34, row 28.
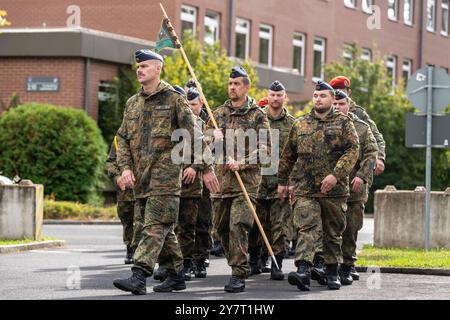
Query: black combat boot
column 266, row 263
column 332, row 276
column 254, row 262
column 236, row 284
column 217, row 249
column 187, row 270
column 302, row 277
column 136, row 284
column 129, row 256
column 354, row 273
column 161, row 273
column 318, row 271
column 344, row 275
column 277, row 274
column 174, row 281
column 200, row 268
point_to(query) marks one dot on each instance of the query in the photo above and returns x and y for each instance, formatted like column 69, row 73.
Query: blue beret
column 237, row 72
column 191, row 84
column 277, row 86
column 192, row 94
column 322, row 85
column 146, row 54
column 339, row 95
column 180, row 90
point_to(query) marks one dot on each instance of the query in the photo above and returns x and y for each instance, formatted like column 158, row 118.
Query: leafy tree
column 371, row 89
column 212, row 68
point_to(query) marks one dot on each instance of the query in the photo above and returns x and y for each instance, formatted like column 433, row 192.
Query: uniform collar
column 248, row 105
column 162, row 86
column 282, row 115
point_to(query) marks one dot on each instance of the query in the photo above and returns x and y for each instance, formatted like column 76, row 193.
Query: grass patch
column 65, row 210
column 4, row 242
column 403, row 258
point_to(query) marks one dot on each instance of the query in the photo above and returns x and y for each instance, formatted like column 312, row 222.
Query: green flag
column 165, row 39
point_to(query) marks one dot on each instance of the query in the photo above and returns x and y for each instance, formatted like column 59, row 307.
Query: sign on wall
column 42, row 84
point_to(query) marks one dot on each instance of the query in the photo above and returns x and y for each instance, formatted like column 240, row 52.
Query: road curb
column 81, row 222
column 418, row 271
column 12, row 248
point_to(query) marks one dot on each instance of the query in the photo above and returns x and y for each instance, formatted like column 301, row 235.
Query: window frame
column 188, row 15
column 216, row 19
column 300, row 44
column 247, row 32
column 263, row 35
column 395, row 11
column 320, row 48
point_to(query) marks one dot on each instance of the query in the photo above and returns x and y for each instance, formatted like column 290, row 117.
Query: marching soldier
column 360, row 179
column 193, row 225
column 343, row 83
column 144, row 139
column 125, row 202
column 232, row 216
column 323, row 146
column 272, row 211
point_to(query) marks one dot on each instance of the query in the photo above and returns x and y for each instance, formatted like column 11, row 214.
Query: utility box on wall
column 399, row 218
column 21, row 211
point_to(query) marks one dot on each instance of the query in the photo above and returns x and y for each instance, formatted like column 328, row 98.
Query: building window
column 265, row 44
column 350, row 3
column 444, row 20
column 299, row 52
column 406, row 70
column 319, row 59
column 188, row 19
column 242, row 38
column 391, row 66
column 408, row 12
column 393, row 10
column 212, row 23
column 366, row 6
column 431, row 15
column 347, row 54
column 366, row 54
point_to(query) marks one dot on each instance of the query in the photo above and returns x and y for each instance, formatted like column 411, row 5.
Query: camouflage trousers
column 193, row 229
column 320, row 222
column 272, row 214
column 289, row 228
column 355, row 217
column 125, row 211
column 158, row 215
column 233, row 221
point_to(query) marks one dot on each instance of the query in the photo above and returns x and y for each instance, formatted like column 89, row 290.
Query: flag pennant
column 165, row 38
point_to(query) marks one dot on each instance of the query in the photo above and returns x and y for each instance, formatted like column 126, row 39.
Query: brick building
column 289, row 40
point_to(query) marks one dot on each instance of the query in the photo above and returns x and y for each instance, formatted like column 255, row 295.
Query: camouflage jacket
column 269, row 183
column 318, row 148
column 246, row 118
column 144, row 140
column 368, row 151
column 194, row 190
column 364, row 116
column 113, row 172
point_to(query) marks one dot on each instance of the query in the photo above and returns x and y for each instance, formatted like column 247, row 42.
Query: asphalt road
column 93, row 258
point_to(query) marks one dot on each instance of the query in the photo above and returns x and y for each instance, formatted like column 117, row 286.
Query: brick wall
column 70, row 71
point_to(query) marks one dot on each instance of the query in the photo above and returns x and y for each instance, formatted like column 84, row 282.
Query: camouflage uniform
column 232, row 217
column 271, row 211
column 144, row 140
column 318, row 148
column 362, row 115
column 192, row 229
column 125, row 199
column 363, row 169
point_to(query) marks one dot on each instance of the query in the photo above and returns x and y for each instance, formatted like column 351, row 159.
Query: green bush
column 61, row 210
column 61, row 148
